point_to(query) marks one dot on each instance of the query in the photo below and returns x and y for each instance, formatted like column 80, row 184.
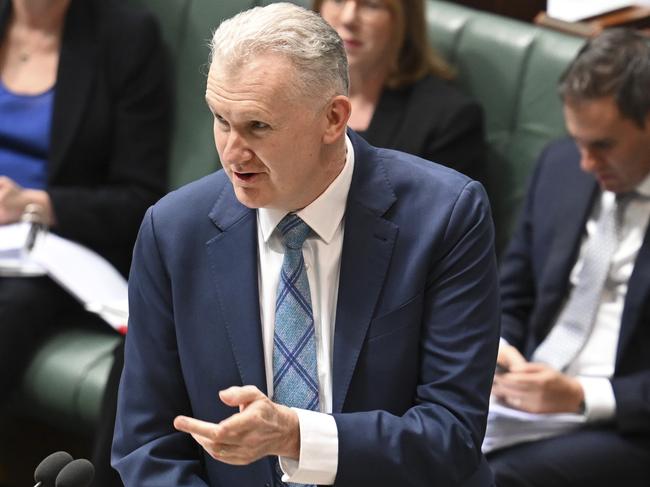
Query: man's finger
column 196, row 426
column 240, row 396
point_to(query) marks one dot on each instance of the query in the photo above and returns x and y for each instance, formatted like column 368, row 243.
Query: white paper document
column 14, row 258
column 82, row 272
column 574, row 10
column 507, row 426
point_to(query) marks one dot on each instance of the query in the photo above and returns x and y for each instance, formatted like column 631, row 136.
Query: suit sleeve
column 147, row 450
column 109, row 214
column 437, row 440
column 632, row 405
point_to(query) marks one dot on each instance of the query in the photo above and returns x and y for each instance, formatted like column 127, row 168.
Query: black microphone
column 46, row 472
column 77, row 473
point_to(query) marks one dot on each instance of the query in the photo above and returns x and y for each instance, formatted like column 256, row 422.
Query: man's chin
column 611, row 184
column 250, row 198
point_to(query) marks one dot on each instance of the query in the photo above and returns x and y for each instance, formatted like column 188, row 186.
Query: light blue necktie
column 295, row 372
column 575, row 324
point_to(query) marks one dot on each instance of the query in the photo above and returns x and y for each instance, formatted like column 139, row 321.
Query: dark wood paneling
column 525, row 10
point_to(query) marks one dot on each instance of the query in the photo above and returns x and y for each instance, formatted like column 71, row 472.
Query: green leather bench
column 510, row 67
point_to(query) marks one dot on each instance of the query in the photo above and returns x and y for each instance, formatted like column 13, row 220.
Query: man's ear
column 337, row 114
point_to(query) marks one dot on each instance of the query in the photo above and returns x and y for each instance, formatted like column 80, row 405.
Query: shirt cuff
column 319, row 450
column 600, row 403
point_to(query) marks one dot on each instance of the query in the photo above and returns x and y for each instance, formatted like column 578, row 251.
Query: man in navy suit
column 549, row 272
column 401, row 305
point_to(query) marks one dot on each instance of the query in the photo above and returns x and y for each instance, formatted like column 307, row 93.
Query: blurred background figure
column 85, row 112
column 401, row 90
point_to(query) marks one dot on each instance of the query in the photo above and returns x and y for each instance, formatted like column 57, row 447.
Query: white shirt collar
column 644, row 186
column 325, row 213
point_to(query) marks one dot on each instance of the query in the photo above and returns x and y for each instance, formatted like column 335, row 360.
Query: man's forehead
column 273, row 75
column 263, row 65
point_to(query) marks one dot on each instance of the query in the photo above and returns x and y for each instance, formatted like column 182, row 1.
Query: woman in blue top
column 85, row 118
column 85, row 115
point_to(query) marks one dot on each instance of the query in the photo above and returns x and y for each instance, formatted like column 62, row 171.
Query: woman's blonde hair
column 414, row 56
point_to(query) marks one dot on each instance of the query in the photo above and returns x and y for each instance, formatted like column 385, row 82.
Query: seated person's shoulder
column 445, row 94
column 560, row 155
column 125, row 22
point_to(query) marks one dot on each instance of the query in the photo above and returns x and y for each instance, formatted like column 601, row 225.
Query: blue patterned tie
column 295, row 373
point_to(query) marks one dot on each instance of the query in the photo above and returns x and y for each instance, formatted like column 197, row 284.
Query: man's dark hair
column 616, row 63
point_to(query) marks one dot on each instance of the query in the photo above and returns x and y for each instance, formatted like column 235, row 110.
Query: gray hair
column 302, row 36
column 616, row 63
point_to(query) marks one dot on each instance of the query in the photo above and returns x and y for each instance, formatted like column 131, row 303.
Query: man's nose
column 235, row 150
column 588, row 160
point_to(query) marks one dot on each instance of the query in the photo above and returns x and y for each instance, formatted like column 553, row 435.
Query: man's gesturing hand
column 261, row 428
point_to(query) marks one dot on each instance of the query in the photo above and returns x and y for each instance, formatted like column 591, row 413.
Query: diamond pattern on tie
column 295, row 372
column 575, row 323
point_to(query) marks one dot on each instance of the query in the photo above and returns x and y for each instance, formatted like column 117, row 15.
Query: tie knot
column 294, row 231
column 623, row 199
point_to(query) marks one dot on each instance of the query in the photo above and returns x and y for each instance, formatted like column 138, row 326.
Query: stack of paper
column 14, row 258
column 574, row 10
column 507, row 426
column 83, row 273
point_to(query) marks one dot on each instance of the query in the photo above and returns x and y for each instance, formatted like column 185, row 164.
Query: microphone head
column 49, row 468
column 77, row 473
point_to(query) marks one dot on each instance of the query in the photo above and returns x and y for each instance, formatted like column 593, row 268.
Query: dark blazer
column 432, row 119
column 415, row 338
column 110, row 125
column 535, row 278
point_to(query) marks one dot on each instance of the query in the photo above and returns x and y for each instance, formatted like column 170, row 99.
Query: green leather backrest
column 512, row 69
column 187, row 27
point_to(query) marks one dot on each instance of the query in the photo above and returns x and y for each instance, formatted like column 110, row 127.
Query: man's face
column 269, row 138
column 612, row 148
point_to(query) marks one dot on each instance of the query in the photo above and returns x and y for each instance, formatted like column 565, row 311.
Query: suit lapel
column 233, row 260
column 367, row 248
column 74, row 79
column 636, row 299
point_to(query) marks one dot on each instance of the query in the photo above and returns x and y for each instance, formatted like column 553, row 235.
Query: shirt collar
column 325, row 213
column 644, row 186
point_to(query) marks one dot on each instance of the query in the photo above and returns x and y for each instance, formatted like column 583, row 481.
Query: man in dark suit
column 319, row 300
column 575, row 282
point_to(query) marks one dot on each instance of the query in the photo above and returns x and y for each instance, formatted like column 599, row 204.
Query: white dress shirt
column 594, row 365
column 322, row 254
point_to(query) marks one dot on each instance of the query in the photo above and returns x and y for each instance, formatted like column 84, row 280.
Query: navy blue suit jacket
column 535, row 278
column 415, row 338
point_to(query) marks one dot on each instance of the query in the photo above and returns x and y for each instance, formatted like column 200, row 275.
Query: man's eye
column 259, row 125
column 602, row 146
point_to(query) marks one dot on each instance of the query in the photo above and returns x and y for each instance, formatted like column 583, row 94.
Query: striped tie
column 295, row 373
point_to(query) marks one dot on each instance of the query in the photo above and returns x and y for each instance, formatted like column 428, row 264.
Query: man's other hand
column 261, row 428
column 538, row 388
column 509, row 356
